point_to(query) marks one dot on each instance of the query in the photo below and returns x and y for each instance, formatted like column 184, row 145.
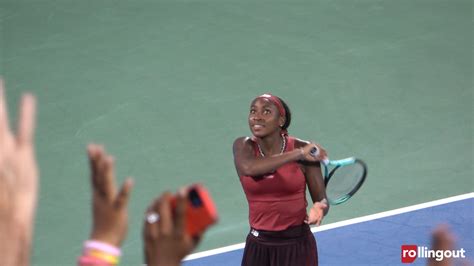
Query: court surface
column 377, row 239
column 166, row 87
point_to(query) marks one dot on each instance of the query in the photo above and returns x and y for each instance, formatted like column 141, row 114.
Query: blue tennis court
column 377, row 239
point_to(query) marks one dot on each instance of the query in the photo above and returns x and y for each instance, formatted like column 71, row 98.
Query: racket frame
column 337, row 164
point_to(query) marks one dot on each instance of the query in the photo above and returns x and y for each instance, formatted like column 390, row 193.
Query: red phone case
column 198, row 218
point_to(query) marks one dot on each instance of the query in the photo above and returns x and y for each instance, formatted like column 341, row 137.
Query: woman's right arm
column 247, row 164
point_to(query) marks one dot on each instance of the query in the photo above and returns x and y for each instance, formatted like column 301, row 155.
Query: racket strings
column 344, row 181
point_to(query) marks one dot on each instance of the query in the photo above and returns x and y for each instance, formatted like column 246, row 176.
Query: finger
column 197, row 238
column 100, row 179
column 4, row 126
column 27, row 121
column 151, row 230
column 322, row 152
column 166, row 215
column 110, row 187
column 319, row 218
column 181, row 211
column 124, row 193
column 92, row 154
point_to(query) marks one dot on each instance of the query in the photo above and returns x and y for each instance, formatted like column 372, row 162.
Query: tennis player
column 274, row 169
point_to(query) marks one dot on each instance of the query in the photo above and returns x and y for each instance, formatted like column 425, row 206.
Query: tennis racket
column 342, row 178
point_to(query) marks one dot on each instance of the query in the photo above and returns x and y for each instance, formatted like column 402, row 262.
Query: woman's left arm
column 317, row 190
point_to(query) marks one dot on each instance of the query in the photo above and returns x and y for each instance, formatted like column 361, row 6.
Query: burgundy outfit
column 277, row 209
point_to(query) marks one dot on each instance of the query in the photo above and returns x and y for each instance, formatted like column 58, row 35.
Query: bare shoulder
column 242, row 142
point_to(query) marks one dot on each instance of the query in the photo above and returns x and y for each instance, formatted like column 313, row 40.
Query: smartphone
column 200, row 212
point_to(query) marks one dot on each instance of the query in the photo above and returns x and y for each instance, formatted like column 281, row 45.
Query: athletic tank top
column 276, row 200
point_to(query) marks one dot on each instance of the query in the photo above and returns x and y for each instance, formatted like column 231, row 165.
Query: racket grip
column 314, row 152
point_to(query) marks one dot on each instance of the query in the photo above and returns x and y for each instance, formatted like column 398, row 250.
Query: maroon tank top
column 276, row 200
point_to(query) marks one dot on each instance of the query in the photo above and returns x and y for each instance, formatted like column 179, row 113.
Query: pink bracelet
column 107, row 248
column 85, row 260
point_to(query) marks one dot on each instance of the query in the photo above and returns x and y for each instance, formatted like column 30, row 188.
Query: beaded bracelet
column 99, row 253
column 97, row 245
column 85, row 261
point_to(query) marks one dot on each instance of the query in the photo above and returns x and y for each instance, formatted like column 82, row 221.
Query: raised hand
column 18, row 181
column 110, row 216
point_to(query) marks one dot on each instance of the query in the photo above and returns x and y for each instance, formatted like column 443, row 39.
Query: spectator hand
column 110, row 217
column 165, row 239
column 18, row 182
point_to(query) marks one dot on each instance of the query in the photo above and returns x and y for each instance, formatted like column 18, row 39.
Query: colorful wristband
column 86, row 261
column 114, row 260
column 107, row 248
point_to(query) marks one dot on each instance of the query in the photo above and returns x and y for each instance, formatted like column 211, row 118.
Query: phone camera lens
column 194, row 198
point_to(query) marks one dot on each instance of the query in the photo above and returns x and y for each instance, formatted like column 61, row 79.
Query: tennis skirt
column 294, row 246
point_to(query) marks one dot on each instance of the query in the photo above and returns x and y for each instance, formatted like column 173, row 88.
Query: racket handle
column 315, row 152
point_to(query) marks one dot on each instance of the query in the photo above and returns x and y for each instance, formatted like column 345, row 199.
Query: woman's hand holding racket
column 309, row 154
column 342, row 178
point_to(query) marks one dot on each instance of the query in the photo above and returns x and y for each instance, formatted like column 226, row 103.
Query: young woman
column 274, row 169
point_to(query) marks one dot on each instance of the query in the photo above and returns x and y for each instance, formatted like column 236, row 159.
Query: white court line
column 344, row 223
